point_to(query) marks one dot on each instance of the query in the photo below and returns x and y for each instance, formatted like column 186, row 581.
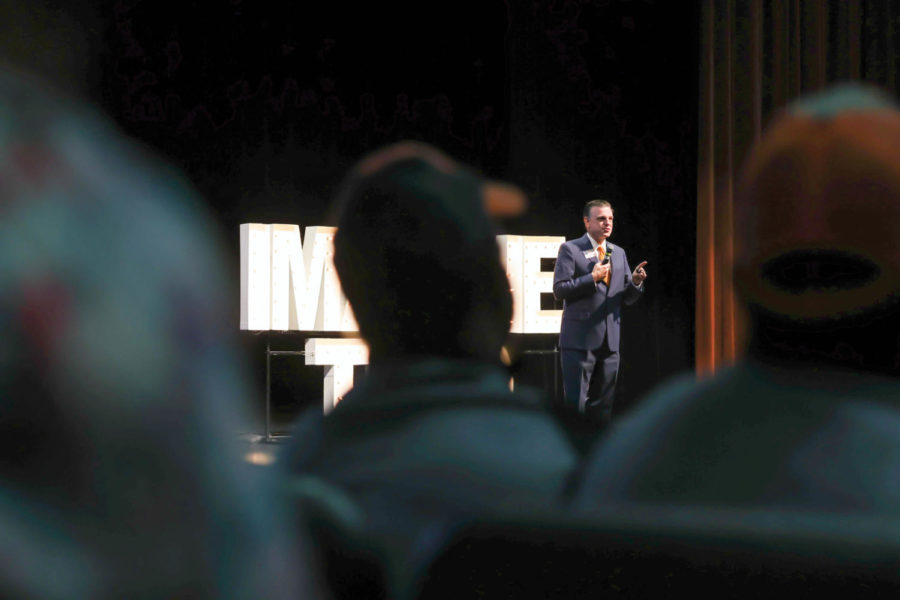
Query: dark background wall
column 265, row 104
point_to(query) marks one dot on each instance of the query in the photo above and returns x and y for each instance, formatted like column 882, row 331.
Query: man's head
column 417, row 254
column 817, row 215
column 598, row 219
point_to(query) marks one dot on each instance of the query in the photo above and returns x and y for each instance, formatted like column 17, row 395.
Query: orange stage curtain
column 756, row 56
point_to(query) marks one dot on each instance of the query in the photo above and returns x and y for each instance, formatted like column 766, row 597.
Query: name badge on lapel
column 589, row 254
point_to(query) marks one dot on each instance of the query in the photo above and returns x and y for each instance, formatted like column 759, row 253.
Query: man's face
column 599, row 225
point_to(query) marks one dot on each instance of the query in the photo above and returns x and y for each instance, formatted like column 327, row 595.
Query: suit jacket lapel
column 584, row 243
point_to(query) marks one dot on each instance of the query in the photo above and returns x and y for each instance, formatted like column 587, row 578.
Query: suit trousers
column 589, row 381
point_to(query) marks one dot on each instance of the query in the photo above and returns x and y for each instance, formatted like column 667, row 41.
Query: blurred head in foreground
column 121, row 392
column 817, row 221
column 418, row 258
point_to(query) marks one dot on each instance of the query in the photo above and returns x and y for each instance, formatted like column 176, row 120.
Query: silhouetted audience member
column 810, row 419
column 120, row 389
column 433, row 432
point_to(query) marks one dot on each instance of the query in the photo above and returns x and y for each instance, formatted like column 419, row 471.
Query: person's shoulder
column 580, row 240
column 578, row 243
column 647, row 437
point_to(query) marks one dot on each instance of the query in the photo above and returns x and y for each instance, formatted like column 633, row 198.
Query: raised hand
column 639, row 274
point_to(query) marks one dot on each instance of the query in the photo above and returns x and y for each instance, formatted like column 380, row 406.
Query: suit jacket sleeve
column 566, row 286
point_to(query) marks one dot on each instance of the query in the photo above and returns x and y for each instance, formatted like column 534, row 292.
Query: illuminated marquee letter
column 521, row 256
column 333, row 312
column 289, row 285
column 286, row 285
column 511, row 257
column 338, row 355
column 256, row 277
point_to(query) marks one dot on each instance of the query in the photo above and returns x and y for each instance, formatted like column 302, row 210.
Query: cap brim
column 503, row 199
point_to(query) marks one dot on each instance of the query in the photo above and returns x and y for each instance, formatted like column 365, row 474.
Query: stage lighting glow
column 263, row 459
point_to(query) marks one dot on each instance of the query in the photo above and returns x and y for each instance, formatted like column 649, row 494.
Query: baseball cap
column 817, row 208
column 416, row 251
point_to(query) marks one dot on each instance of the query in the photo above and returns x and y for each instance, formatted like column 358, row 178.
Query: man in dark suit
column 593, row 278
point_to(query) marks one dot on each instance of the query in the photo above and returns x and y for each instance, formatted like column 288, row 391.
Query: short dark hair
column 591, row 204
